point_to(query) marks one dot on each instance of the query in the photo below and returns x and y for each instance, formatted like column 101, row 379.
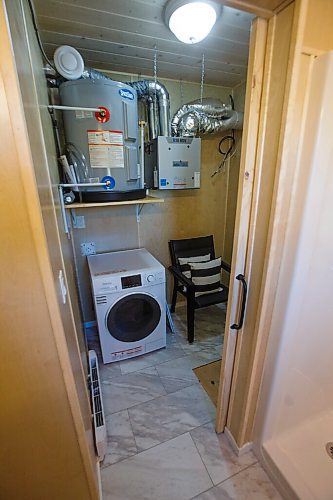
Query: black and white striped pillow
column 184, row 263
column 206, row 276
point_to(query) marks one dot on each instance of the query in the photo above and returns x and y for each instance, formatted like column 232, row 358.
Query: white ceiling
column 120, row 35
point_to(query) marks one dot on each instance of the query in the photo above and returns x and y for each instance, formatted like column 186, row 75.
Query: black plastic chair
column 193, row 247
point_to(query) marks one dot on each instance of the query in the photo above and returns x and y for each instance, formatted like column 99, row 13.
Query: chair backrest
column 191, row 247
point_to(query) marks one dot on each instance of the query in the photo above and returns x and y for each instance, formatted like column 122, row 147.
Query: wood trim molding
column 282, row 6
column 281, row 203
column 239, row 451
column 255, row 7
column 249, row 151
column 250, row 7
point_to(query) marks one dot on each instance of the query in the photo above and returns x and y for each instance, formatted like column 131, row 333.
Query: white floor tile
column 169, row 416
column 249, row 484
column 120, row 438
column 170, row 471
column 219, row 458
column 128, row 390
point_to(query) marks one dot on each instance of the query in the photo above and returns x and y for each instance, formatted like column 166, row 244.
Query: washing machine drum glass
column 134, row 317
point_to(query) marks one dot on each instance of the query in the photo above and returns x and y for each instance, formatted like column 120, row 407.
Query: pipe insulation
column 210, row 116
column 146, row 90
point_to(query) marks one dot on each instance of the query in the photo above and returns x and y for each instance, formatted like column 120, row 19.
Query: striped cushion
column 206, row 276
column 184, row 263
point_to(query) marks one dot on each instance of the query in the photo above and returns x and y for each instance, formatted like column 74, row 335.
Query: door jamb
column 254, row 89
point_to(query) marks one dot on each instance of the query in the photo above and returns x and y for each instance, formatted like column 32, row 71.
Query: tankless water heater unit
column 173, row 163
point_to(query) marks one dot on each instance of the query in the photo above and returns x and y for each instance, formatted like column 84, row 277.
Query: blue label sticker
column 111, row 182
column 163, row 182
column 126, row 94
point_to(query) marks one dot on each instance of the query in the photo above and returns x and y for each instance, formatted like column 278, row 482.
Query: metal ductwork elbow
column 210, row 116
column 147, row 90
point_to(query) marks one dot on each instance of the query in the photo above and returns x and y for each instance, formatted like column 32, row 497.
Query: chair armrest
column 225, row 266
column 180, row 276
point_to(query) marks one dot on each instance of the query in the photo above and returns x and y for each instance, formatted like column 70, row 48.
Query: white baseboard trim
column 239, row 451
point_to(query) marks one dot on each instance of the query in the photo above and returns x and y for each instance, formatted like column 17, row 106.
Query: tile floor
column 160, row 425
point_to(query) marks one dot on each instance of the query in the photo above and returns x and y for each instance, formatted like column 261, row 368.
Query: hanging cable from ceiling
column 34, row 22
column 181, row 92
column 202, row 77
column 202, row 83
column 155, row 87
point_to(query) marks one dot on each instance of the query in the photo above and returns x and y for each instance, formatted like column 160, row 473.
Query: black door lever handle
column 238, row 326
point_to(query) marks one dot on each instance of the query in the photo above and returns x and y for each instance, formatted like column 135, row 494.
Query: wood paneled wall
column 184, row 214
column 46, row 435
column 232, row 174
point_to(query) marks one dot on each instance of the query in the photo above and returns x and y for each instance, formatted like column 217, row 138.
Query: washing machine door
column 134, row 317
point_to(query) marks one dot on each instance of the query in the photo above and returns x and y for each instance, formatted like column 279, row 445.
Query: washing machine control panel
column 114, row 284
column 143, row 279
column 131, row 281
column 151, row 278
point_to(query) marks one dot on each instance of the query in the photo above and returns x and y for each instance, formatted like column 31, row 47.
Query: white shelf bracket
column 63, row 211
column 139, row 208
column 73, row 214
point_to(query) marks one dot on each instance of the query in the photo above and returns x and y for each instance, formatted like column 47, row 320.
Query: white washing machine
column 129, row 296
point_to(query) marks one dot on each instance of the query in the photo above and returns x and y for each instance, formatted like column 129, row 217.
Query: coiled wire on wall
column 230, row 142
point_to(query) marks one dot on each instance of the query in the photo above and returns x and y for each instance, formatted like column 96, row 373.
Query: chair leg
column 174, row 296
column 190, row 320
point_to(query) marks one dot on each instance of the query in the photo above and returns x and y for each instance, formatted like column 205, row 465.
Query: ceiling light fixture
column 191, row 21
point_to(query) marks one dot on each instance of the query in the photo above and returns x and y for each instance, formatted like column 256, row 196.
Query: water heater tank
column 110, row 148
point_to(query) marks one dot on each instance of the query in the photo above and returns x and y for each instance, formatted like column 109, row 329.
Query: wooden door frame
column 279, row 213
column 248, row 177
column 255, row 7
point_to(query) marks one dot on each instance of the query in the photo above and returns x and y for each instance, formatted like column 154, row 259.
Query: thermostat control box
column 173, row 163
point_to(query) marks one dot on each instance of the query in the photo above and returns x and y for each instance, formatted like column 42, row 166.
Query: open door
column 271, row 63
column 246, row 198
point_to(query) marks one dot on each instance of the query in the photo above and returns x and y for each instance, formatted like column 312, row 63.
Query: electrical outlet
column 79, row 222
column 88, row 248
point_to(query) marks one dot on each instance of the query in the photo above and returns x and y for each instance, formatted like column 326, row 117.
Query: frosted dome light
column 191, row 21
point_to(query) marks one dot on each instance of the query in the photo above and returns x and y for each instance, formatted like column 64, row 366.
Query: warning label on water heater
column 106, row 148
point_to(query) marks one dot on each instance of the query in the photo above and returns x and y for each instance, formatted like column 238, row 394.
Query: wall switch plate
column 88, row 248
column 79, row 222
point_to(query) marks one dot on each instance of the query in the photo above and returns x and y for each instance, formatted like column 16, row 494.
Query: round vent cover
column 69, row 62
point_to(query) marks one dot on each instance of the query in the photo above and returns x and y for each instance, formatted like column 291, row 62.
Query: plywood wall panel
column 187, row 214
column 184, row 214
column 233, row 178
column 318, row 33
column 40, row 452
column 111, row 229
column 35, row 99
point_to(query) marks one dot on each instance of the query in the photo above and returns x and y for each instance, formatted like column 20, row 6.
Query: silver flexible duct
column 146, row 91
column 209, row 117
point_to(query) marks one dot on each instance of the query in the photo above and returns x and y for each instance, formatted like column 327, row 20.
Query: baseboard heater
column 97, row 406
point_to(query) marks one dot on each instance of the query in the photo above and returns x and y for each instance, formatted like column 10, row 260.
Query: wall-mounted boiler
column 173, row 163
